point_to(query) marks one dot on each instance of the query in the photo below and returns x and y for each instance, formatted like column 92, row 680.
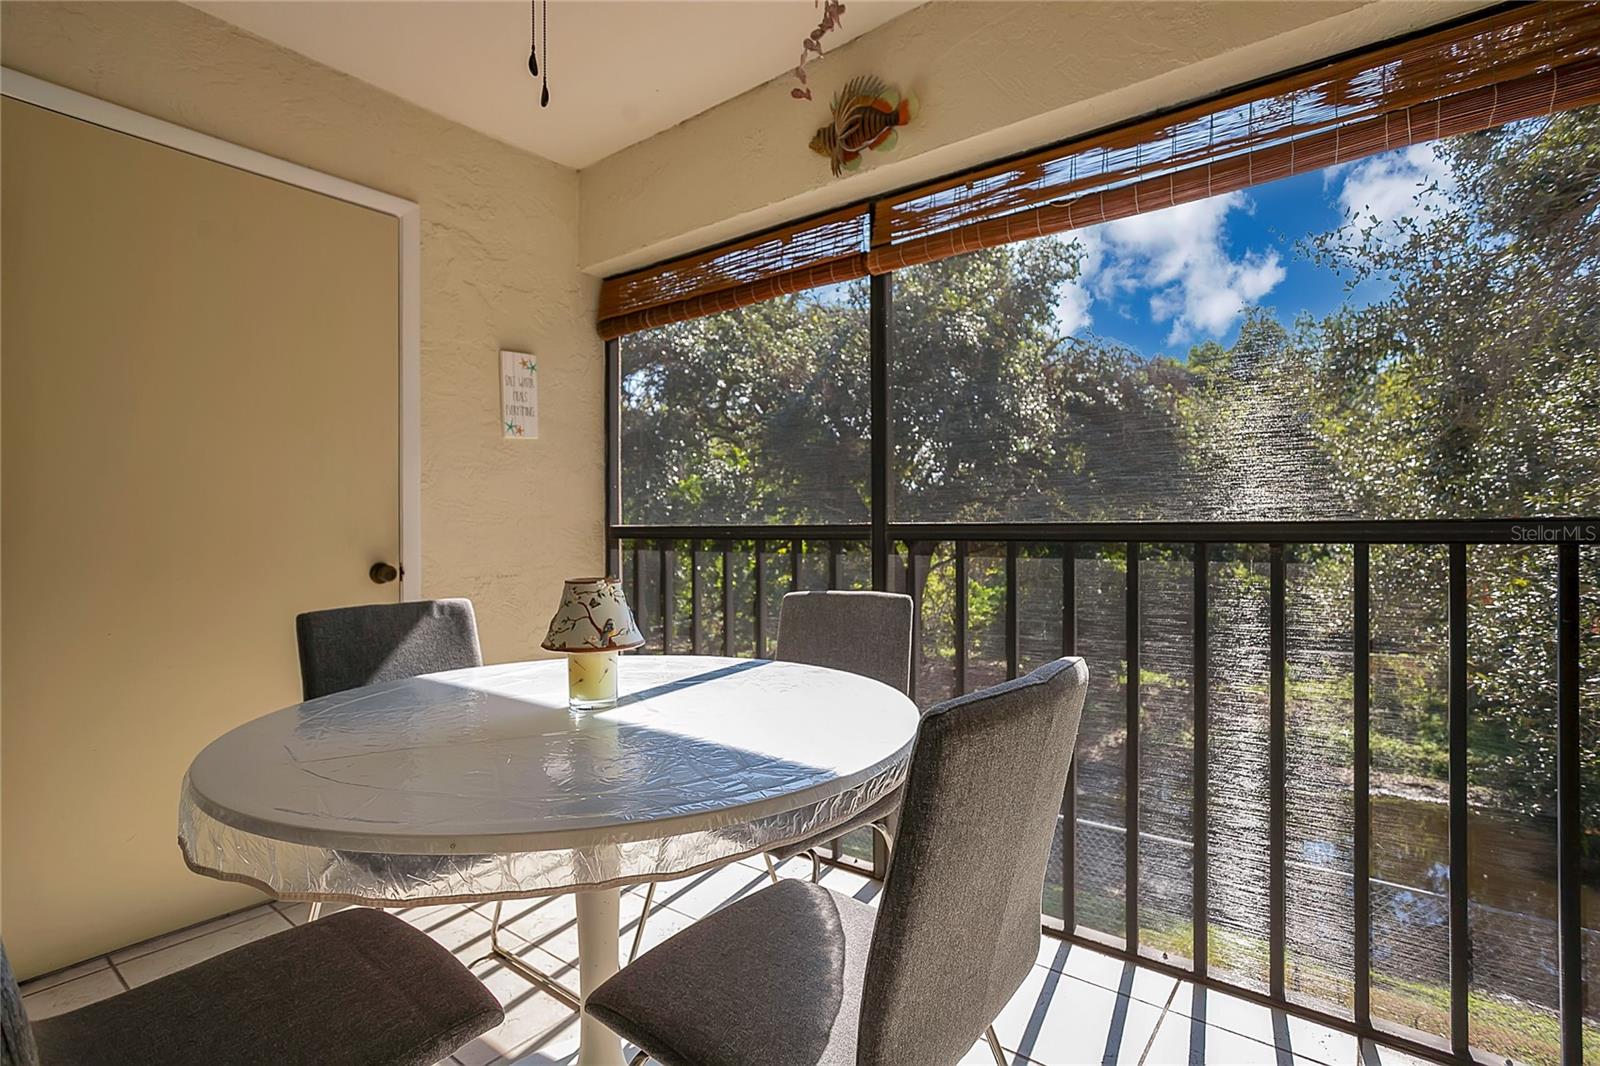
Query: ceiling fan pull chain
column 533, row 37
column 544, row 86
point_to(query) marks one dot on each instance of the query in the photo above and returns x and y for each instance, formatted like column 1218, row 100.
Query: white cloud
column 1072, row 312
column 1178, row 255
column 1396, row 184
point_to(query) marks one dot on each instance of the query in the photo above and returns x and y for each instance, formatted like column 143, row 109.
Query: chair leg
column 315, row 912
column 640, row 1059
column 888, row 841
column 994, row 1046
column 816, row 867
column 772, row 870
column 638, row 930
column 507, row 958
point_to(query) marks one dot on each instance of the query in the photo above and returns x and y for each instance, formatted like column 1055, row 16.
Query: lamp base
column 592, row 680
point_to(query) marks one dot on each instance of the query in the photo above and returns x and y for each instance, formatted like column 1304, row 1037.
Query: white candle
column 592, row 679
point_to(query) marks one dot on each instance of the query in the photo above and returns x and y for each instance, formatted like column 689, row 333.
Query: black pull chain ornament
column 537, row 40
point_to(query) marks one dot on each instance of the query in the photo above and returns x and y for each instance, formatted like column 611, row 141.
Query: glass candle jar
column 591, row 680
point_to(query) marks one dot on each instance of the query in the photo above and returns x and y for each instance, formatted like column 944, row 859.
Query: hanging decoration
column 866, row 114
column 536, row 42
column 811, row 47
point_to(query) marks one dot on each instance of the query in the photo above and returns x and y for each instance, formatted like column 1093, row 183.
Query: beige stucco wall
column 502, row 521
column 994, row 78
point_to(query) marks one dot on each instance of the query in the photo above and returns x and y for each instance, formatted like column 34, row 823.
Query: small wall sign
column 519, row 396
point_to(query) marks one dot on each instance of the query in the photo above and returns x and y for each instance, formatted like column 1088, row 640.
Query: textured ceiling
column 619, row 70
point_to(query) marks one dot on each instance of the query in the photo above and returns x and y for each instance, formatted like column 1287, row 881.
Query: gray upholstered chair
column 866, row 633
column 798, row 975
column 360, row 988
column 348, row 647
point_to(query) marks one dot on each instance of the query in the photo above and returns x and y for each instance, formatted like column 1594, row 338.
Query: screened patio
column 1197, row 404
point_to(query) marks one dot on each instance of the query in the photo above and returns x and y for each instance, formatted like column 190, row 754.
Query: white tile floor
column 1077, row 1006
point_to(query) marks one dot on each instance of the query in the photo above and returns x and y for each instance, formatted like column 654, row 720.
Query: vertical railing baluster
column 1011, row 609
column 1361, row 646
column 880, row 338
column 961, row 616
column 669, row 595
column 636, row 603
column 833, row 564
column 760, row 601
column 1277, row 743
column 694, row 598
column 1460, row 946
column 794, row 567
column 914, row 585
column 1199, row 803
column 613, row 431
column 1569, row 828
column 727, row 600
column 1130, row 753
column 1069, row 797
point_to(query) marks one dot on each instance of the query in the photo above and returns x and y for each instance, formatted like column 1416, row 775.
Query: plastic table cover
column 481, row 784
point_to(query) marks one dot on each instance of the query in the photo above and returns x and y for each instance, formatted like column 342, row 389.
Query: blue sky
column 1164, row 281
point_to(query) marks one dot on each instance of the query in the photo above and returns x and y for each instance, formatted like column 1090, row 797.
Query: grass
column 1504, row 1027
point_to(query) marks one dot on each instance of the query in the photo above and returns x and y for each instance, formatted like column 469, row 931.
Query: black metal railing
column 993, row 600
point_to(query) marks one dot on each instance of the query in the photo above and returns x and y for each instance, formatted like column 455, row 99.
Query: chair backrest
column 958, row 923
column 866, row 633
column 348, row 647
column 16, row 1036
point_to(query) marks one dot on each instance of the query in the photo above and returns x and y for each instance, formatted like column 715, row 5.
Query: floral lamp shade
column 593, row 616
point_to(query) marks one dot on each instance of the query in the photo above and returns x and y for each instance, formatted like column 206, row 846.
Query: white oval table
column 480, row 784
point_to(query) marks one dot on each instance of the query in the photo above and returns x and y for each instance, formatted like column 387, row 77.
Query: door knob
column 382, row 573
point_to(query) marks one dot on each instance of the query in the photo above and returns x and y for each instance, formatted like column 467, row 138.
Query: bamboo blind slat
column 1577, row 85
column 1532, row 60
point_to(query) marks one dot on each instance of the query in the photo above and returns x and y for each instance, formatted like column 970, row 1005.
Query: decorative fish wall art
column 866, row 114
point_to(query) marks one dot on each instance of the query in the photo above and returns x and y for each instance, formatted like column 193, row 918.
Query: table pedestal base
column 599, row 914
column 599, row 941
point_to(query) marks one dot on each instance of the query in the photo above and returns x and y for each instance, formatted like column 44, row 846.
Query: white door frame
column 98, row 112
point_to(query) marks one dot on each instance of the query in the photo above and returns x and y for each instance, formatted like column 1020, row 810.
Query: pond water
column 1512, row 900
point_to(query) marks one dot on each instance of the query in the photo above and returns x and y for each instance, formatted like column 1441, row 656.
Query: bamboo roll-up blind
column 819, row 251
column 1566, row 87
column 1532, row 60
column 847, row 268
column 1481, row 54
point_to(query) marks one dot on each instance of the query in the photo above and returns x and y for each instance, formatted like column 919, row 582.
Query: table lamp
column 592, row 625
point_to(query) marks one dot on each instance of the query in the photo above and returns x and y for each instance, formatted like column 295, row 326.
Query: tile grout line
column 57, row 972
column 1165, row 1010
column 70, row 981
column 236, row 918
column 116, row 969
